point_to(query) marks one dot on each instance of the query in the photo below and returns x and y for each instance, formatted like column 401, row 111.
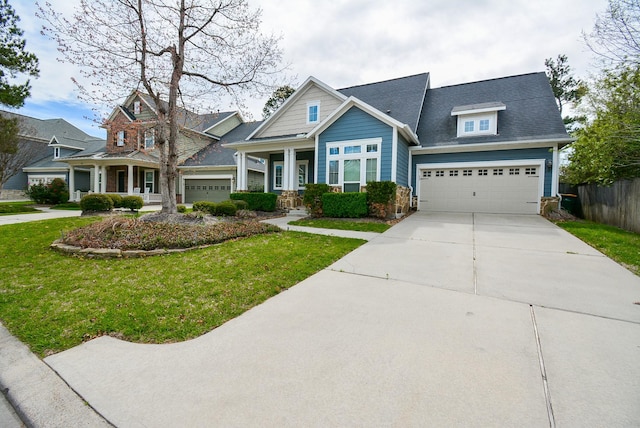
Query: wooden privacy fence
column 616, row 205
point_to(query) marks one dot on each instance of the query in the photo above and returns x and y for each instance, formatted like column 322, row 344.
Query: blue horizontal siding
column 497, row 155
column 402, row 163
column 355, row 124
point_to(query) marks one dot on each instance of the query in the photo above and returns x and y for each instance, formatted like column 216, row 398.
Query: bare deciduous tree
column 15, row 151
column 616, row 34
column 181, row 52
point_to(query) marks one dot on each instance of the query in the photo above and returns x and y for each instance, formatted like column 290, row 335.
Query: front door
column 149, row 179
column 121, row 181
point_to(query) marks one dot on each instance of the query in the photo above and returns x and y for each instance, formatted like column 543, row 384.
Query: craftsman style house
column 47, row 142
column 129, row 161
column 488, row 146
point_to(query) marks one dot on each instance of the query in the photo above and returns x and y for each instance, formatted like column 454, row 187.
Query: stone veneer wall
column 548, row 204
column 9, row 194
column 289, row 199
column 403, row 201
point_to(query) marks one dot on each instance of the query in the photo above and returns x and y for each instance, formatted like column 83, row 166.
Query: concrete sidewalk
column 444, row 320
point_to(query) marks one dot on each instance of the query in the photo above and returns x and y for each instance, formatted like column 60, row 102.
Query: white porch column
column 267, row 165
column 96, row 178
column 103, row 181
column 293, row 170
column 242, row 171
column 285, row 170
column 555, row 172
column 129, row 179
column 72, row 183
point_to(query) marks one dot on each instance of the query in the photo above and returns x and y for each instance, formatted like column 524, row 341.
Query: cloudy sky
column 351, row 42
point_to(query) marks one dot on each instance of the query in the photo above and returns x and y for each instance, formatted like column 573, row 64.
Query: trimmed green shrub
column 38, row 193
column 205, row 207
column 58, row 193
column 312, row 198
column 345, row 205
column 226, row 208
column 132, row 202
column 116, row 199
column 181, row 208
column 240, row 204
column 381, row 192
column 96, row 202
column 380, row 197
column 257, row 201
column 53, row 193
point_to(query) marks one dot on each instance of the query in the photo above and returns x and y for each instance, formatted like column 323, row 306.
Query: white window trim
column 363, row 156
column 306, row 173
column 119, row 140
column 153, row 185
column 312, row 104
column 153, row 139
column 56, row 152
column 492, row 117
column 137, row 107
column 275, row 164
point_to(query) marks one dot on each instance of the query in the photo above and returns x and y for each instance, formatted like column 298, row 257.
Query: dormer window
column 56, row 152
column 136, row 107
column 478, row 119
column 313, row 112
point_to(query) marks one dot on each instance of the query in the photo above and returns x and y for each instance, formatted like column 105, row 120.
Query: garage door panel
column 214, row 190
column 508, row 189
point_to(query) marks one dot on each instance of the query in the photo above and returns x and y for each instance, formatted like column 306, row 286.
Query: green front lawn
column 53, row 302
column 328, row 223
column 9, row 208
column 620, row 245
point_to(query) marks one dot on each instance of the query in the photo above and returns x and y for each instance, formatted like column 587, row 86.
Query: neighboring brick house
column 129, row 163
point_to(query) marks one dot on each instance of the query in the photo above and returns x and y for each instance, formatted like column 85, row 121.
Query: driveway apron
column 444, row 320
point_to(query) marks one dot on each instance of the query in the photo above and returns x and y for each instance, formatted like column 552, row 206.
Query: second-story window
column 56, row 152
column 313, row 112
column 120, row 138
column 149, row 140
column 136, row 107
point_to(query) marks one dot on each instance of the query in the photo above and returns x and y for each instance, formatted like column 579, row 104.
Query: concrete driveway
column 444, row 320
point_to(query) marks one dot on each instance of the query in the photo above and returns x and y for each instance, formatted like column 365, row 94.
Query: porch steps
column 295, row 212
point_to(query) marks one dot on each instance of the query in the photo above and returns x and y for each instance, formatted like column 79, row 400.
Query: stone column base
column 289, row 199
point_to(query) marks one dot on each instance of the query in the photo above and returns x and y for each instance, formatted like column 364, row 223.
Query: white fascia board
column 271, row 144
column 66, row 146
column 297, row 94
column 480, row 109
column 45, row 169
column 483, row 147
column 205, row 167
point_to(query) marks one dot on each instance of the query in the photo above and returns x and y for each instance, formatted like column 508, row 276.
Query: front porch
column 108, row 176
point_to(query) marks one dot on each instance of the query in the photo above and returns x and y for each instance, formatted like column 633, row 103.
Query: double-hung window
column 351, row 164
column 149, row 140
column 313, row 112
column 120, row 138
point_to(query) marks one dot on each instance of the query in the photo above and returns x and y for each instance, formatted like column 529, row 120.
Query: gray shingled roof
column 191, row 120
column 400, row 98
column 44, row 129
column 216, row 155
column 531, row 111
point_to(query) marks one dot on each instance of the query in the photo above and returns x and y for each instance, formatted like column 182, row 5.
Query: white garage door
column 206, row 190
column 503, row 189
